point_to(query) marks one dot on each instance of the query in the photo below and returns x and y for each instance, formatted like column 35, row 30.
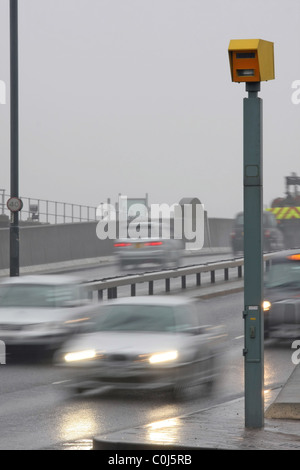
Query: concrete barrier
column 44, row 244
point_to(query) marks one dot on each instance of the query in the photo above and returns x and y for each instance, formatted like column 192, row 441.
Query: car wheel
column 122, row 266
column 71, row 393
column 176, row 263
column 165, row 264
column 210, row 382
column 266, row 329
column 187, row 387
column 184, row 391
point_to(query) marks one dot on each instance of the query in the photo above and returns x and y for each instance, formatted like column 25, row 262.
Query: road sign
column 14, row 204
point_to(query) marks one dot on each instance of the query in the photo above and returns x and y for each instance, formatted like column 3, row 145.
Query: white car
column 41, row 310
column 143, row 343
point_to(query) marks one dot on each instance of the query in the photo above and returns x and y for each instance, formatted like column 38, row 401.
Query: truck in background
column 287, row 212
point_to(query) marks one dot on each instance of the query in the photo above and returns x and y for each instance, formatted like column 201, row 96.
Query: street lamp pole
column 14, row 137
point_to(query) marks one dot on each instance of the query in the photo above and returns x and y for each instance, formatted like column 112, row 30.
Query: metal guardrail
column 111, row 285
column 50, row 212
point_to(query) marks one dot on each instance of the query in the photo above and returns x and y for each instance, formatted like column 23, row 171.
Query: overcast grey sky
column 135, row 96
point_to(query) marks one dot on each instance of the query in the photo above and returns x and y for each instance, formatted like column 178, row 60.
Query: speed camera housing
column 251, row 60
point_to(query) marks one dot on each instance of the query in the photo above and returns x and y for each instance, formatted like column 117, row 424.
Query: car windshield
column 283, row 274
column 22, row 295
column 135, row 318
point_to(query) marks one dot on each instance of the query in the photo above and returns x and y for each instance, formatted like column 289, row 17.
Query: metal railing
column 131, row 281
column 112, row 285
column 49, row 212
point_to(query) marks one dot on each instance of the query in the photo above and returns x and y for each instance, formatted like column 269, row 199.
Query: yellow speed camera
column 251, row 60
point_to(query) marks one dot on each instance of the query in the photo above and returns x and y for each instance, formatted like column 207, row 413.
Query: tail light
column 232, row 234
column 267, row 233
column 153, row 243
column 118, row 245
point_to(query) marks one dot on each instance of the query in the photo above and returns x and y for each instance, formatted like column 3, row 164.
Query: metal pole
column 253, row 259
column 14, row 139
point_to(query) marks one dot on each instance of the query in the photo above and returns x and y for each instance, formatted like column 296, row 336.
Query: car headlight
column 163, row 357
column 266, row 305
column 80, row 355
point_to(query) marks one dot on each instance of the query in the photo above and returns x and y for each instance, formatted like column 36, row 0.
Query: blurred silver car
column 155, row 245
column 143, row 343
column 41, row 310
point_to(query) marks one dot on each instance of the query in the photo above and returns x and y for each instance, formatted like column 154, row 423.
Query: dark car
column 272, row 235
column 282, row 296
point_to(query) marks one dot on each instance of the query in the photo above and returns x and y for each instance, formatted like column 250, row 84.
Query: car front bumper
column 122, row 378
column 45, row 339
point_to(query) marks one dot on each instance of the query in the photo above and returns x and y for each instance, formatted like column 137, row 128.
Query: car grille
column 118, row 357
column 126, row 360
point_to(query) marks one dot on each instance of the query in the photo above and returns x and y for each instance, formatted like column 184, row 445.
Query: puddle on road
column 80, row 444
